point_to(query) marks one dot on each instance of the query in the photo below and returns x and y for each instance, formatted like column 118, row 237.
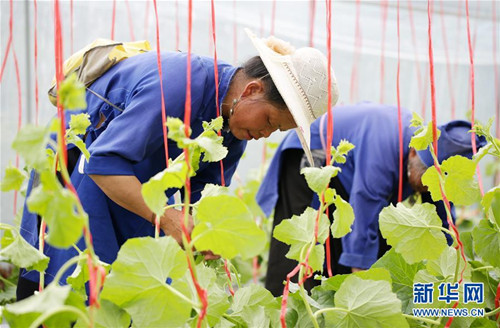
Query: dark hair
column 255, row 68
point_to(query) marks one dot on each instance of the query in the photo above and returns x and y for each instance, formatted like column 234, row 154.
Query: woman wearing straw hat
column 279, row 89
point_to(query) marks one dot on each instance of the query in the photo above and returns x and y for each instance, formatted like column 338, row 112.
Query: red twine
column 113, row 18
column 9, row 42
column 400, row 123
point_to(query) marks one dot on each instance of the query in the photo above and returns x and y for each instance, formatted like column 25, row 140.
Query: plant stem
column 302, row 291
column 236, row 273
column 65, row 308
column 488, row 267
column 182, row 296
column 317, row 313
column 432, row 322
column 493, row 312
column 65, row 267
column 457, row 267
column 7, row 281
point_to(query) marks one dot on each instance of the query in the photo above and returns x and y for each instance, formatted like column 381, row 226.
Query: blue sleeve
column 137, row 132
column 372, row 185
column 212, row 173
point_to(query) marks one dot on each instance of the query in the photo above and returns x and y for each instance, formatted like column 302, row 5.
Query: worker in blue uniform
column 125, row 139
column 368, row 181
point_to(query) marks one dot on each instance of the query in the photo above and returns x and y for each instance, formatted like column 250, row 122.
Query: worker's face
column 254, row 117
column 415, row 171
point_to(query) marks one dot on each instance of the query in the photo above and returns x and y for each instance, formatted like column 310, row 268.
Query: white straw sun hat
column 301, row 77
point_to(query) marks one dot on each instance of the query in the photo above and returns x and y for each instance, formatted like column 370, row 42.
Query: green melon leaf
column 491, row 205
column 459, row 184
column 148, row 262
column 402, row 275
column 444, row 266
column 57, row 206
column 30, row 144
column 153, row 191
column 75, row 140
column 343, row 217
column 423, row 138
column 23, row 313
column 366, row 303
column 108, row 315
column 298, row 232
column 300, row 229
column 211, row 144
column 413, row 232
column 72, row 93
column 22, row 254
column 317, row 178
column 227, row 228
column 13, row 179
column 79, row 123
column 486, row 238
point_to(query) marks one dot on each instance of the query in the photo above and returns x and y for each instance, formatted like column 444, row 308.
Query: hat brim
column 282, row 72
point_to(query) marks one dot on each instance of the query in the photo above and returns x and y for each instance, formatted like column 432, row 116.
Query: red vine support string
column 422, row 91
column 384, row 5
column 357, row 49
column 436, row 164
column 312, row 13
column 202, row 293
column 9, row 42
column 217, row 108
column 19, row 113
column 329, row 123
column 35, row 33
column 400, row 123
column 113, row 18
column 473, row 109
column 130, row 21
column 160, row 75
column 216, row 70
column 447, row 57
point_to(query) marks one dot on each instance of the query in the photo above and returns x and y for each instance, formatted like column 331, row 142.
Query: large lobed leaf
column 423, row 138
column 57, row 206
column 402, row 275
column 366, row 303
column 299, row 232
column 459, row 184
column 22, row 254
column 226, row 227
column 491, row 205
column 137, row 282
column 13, row 179
column 30, row 144
column 153, row 191
column 413, row 232
column 318, row 179
column 22, row 314
column 343, row 217
column 486, row 238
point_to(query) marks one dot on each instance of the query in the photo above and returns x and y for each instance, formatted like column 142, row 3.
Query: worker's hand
column 170, row 223
column 356, row 270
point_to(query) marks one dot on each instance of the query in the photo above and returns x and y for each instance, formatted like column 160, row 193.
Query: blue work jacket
column 130, row 142
column 370, row 175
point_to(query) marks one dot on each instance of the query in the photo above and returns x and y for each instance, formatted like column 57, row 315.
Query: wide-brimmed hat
column 455, row 139
column 301, row 77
